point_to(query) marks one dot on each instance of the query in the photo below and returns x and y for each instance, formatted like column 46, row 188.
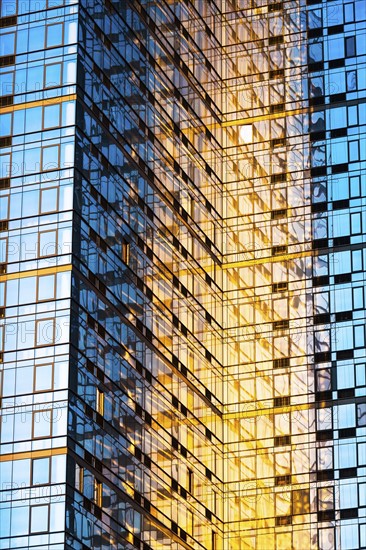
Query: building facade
column 182, row 274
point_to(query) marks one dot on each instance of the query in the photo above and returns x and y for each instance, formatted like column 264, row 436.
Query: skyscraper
column 182, row 274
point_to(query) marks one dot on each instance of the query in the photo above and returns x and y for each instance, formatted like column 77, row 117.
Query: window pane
column 46, row 287
column 54, row 35
column 7, row 44
column 33, row 119
column 21, row 472
column 40, row 471
column 7, row 80
column 49, row 200
column 19, row 520
column 36, row 38
column 39, row 519
column 47, row 243
column 50, row 157
column 51, row 116
column 8, row 7
column 5, row 124
column 43, row 377
column 45, row 332
column 350, row 46
column 42, row 422
column 53, row 75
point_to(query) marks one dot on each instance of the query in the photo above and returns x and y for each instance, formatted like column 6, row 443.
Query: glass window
column 68, row 113
column 351, row 79
column 338, row 117
column 326, row 498
column 326, row 539
column 345, row 377
column 346, row 416
column 22, row 45
column 317, row 122
column 7, row 84
column 315, row 52
column 49, row 199
column 7, row 44
column 324, row 419
column 58, row 468
column 5, row 124
column 43, row 377
column 336, row 82
column 36, row 38
column 27, row 290
column 336, row 48
column 50, row 157
column 39, row 518
column 349, row 536
column 52, row 75
column 362, row 496
column 316, row 86
column 358, row 298
column 315, row 19
column 4, row 208
column 350, row 46
column 361, row 375
column 334, row 15
column 5, row 471
column 343, row 337
column 51, row 116
column 19, row 520
column 46, row 287
column 54, row 35
column 361, row 414
column 23, row 425
column 12, row 290
column 8, row 7
column 352, row 115
column 33, row 119
column 354, row 150
column 100, row 402
column 349, row 13
column 40, row 471
column 31, row 159
column 45, row 332
column 356, row 223
column 347, row 456
column 355, row 186
column 339, row 153
column 361, row 453
column 34, row 78
column 341, row 225
column 18, row 122
column 357, row 261
column 21, row 472
column 24, row 377
column 360, row 10
column 42, row 423
column 5, row 166
column 47, row 243
column 15, row 205
column 348, row 495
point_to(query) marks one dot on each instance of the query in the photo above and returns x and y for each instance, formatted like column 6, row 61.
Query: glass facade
column 183, row 313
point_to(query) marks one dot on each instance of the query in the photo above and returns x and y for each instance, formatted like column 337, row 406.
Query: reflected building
column 182, row 280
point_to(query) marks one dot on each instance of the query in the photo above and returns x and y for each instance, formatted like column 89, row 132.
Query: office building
column 182, row 274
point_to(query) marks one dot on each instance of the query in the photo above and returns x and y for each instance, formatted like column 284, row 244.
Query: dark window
column 350, row 46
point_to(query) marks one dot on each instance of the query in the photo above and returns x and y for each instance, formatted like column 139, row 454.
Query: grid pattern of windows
column 182, row 331
column 37, row 119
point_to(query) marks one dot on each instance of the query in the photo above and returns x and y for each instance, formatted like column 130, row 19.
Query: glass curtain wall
column 182, row 316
